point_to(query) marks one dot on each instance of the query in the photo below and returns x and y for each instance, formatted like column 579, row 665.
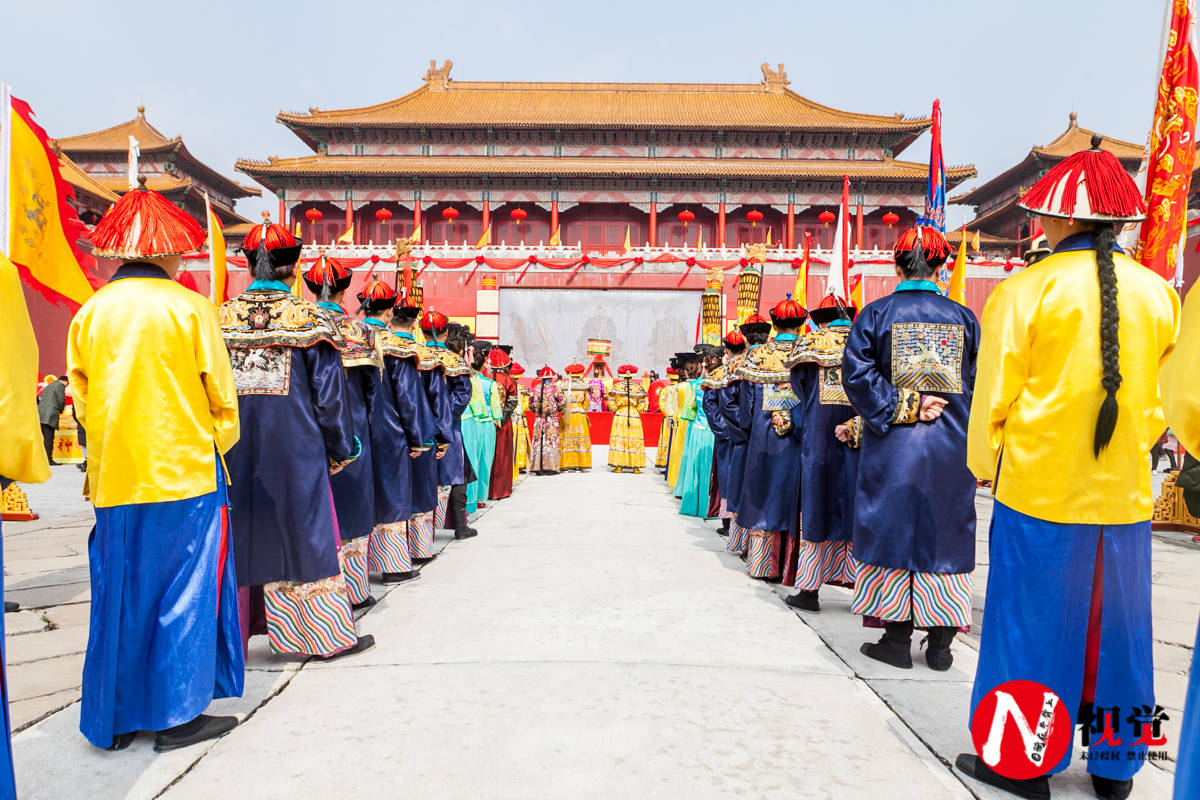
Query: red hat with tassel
column 545, row 373
column 832, row 308
column 327, row 277
column 377, row 296
column 788, row 311
column 144, row 224
column 755, row 324
column 498, row 359
column 282, row 247
column 574, row 369
column 934, row 247
column 434, row 321
column 734, row 339
column 1089, row 185
column 517, row 370
column 627, row 369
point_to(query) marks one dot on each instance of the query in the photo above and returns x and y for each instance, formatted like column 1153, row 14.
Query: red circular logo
column 1021, row 729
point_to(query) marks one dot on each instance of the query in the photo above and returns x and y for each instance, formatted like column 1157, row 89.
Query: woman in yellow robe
column 626, row 441
column 520, row 424
column 576, row 439
column 666, row 401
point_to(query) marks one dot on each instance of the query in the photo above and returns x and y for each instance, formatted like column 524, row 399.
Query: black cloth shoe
column 1109, row 789
column 400, row 577
column 1032, row 789
column 201, row 729
column 894, row 647
column 121, row 741
column 804, row 601
column 724, row 527
column 10, row 606
column 364, row 643
column 370, row 601
column 465, row 532
column 420, row 562
column 938, row 655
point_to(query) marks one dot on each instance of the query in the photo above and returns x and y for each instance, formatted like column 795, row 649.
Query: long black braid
column 1110, row 344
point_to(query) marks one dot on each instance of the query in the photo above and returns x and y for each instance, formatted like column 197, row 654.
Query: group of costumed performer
column 1068, row 385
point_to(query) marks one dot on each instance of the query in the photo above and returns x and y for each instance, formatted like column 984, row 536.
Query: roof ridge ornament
column 774, row 80
column 436, row 78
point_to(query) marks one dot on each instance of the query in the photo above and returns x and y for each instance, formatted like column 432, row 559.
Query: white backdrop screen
column 552, row 326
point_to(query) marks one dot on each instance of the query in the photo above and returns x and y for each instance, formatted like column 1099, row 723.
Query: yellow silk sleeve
column 217, row 375
column 1179, row 379
column 1001, row 370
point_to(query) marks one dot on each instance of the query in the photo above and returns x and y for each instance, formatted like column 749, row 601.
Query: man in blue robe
column 353, row 487
column 454, row 470
column 770, row 489
column 402, row 428
column 755, row 332
column 828, row 468
column 909, row 371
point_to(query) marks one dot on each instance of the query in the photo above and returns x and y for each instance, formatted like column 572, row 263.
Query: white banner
column 552, row 326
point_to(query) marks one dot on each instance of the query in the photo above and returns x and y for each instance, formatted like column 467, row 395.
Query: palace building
column 596, row 161
column 169, row 167
column 997, row 215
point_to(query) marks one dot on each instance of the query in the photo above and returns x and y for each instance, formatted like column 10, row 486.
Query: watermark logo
column 1021, row 729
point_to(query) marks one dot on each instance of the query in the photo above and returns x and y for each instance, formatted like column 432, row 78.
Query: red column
column 653, row 224
column 349, row 213
column 487, row 215
column 282, row 211
column 553, row 216
column 859, row 231
column 790, row 241
column 721, row 225
column 417, row 218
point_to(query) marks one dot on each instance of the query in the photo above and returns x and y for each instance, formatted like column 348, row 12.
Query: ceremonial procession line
column 589, row 642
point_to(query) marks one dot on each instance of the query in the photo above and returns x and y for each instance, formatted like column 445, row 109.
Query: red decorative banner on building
column 1172, row 150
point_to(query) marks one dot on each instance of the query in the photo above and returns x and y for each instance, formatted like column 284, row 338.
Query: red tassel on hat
column 933, row 243
column 144, row 224
column 1111, row 193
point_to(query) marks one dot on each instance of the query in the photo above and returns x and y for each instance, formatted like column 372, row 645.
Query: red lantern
column 755, row 217
column 518, row 214
column 313, row 214
column 826, row 217
column 890, row 219
column 383, row 215
column 686, row 216
column 450, row 214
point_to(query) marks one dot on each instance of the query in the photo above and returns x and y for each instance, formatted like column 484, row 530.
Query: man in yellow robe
column 154, row 388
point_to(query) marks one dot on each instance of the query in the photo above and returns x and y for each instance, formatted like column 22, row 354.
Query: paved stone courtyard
column 590, row 642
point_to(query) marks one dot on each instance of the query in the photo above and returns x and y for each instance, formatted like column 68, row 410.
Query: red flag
column 1172, row 150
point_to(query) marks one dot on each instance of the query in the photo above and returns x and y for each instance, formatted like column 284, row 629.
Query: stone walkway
column 590, row 642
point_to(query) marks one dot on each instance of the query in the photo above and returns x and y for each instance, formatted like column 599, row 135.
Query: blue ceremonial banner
column 935, row 190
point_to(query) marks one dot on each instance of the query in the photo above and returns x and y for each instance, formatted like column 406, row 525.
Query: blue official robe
column 770, row 488
column 354, row 487
column 828, row 468
column 401, row 420
column 727, row 404
column 424, row 473
column 292, row 405
column 722, row 446
column 453, row 469
column 915, row 502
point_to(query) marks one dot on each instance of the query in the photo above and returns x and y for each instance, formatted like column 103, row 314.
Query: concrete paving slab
column 579, row 730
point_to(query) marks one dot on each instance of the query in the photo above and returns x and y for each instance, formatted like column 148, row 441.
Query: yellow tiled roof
column 116, row 138
column 585, row 166
column 606, row 105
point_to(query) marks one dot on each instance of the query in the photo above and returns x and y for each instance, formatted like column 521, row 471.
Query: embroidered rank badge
column 779, row 397
column 830, row 391
column 261, row 370
column 927, row 357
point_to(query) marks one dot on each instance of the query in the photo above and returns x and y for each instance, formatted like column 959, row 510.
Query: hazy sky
column 1008, row 72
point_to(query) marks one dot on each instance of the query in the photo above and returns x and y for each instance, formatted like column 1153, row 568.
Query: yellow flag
column 415, row 238
column 485, row 239
column 555, row 239
column 800, row 290
column 769, row 240
column 347, row 237
column 43, row 227
column 975, row 242
column 700, row 238
column 958, row 276
column 628, row 246
column 856, row 292
column 216, row 256
column 297, row 230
